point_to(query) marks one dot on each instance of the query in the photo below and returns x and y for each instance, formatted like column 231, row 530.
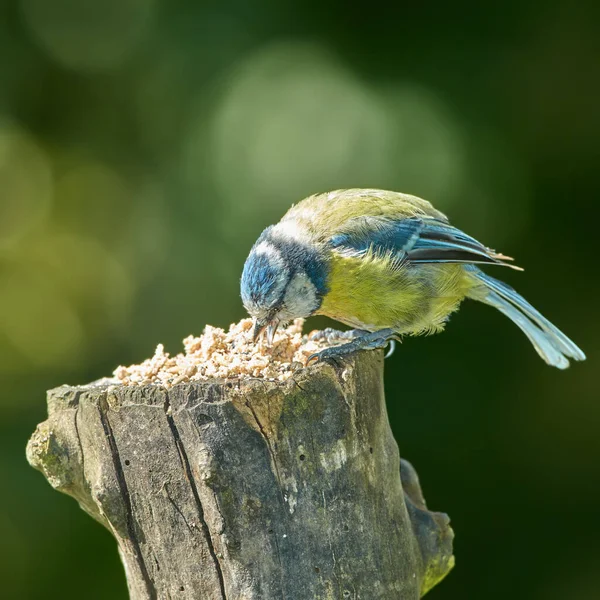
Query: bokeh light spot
column 38, row 320
column 126, row 215
column 93, row 196
column 25, row 183
column 292, row 121
column 93, row 278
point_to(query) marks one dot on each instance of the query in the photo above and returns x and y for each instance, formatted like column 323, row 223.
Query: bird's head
column 284, row 278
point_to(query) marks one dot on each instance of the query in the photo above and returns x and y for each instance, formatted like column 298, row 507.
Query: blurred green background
column 144, row 144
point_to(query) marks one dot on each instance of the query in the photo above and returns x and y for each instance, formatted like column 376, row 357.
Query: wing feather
column 416, row 240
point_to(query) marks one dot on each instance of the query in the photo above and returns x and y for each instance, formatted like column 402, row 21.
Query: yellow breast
column 372, row 292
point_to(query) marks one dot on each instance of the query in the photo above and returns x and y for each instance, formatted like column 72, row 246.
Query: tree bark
column 249, row 489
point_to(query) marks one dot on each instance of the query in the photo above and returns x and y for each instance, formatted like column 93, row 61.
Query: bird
column 386, row 264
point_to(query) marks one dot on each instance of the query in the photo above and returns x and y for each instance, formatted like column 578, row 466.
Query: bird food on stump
column 284, row 482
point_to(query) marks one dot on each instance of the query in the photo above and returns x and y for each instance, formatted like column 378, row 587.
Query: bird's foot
column 359, row 341
column 332, row 336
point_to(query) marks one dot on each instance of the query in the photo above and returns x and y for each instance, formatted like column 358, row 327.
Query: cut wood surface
column 249, row 489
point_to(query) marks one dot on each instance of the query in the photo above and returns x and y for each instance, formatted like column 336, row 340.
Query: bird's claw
column 312, row 358
column 392, row 344
column 336, row 362
column 391, row 348
column 366, row 341
column 327, row 355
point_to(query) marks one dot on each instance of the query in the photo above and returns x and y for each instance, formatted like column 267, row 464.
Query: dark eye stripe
column 302, row 257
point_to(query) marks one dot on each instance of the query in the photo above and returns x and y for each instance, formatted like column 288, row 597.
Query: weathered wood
column 249, row 490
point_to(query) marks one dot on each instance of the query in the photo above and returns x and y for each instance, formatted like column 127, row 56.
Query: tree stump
column 249, row 489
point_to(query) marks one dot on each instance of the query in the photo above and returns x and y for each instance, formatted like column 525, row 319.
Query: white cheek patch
column 300, row 297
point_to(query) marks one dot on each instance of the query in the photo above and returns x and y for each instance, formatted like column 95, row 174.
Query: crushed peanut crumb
column 218, row 354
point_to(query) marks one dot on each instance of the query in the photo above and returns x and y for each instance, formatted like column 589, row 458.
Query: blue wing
column 416, row 240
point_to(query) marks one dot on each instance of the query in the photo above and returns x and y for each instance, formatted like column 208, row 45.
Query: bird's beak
column 271, row 329
column 262, row 325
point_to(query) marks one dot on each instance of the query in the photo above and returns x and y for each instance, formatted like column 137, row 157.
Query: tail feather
column 540, row 340
column 551, row 343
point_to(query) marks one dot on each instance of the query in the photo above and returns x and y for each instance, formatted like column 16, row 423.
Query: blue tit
column 385, row 263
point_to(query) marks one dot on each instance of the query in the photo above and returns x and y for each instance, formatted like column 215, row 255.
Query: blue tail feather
column 551, row 343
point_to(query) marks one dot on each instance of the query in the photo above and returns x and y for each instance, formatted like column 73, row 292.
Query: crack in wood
column 279, row 481
column 176, row 507
column 269, row 448
column 298, row 385
column 80, row 444
column 185, row 462
column 129, row 518
column 222, row 524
